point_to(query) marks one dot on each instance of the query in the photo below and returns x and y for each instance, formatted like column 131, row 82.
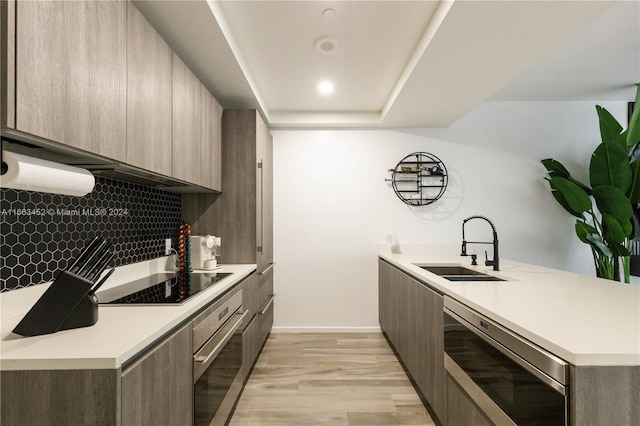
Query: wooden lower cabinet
column 257, row 296
column 59, row 397
column 604, row 395
column 158, row 388
column 154, row 390
column 460, row 408
column 250, row 346
column 411, row 315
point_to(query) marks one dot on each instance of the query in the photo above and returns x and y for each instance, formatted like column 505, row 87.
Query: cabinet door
column 187, row 123
column 427, row 359
column 411, row 316
column 149, row 95
column 236, row 206
column 264, row 202
column 158, row 389
column 71, row 73
column 211, row 158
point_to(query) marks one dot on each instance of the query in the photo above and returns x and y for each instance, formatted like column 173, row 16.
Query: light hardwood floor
column 328, row 379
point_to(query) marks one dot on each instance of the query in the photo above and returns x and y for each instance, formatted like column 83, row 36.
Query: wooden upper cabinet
column 149, row 96
column 245, row 207
column 71, row 73
column 187, row 123
column 211, row 158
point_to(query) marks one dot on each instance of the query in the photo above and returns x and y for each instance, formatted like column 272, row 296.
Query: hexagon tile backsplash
column 41, row 233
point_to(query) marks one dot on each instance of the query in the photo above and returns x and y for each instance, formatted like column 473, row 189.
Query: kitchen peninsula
column 589, row 323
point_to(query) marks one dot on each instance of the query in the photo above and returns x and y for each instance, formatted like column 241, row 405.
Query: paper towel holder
column 31, row 173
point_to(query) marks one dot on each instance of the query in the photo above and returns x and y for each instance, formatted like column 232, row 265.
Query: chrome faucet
column 496, row 261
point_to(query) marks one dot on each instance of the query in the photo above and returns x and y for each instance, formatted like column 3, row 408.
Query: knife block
column 66, row 304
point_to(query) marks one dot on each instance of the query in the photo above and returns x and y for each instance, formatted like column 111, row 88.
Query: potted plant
column 614, row 185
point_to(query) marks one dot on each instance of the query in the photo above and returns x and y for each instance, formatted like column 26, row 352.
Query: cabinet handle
column 261, row 170
column 266, row 308
column 268, row 269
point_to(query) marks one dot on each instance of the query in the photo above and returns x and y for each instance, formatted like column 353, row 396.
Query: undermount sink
column 458, row 273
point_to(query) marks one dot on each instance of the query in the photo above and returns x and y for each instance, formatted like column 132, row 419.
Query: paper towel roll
column 34, row 174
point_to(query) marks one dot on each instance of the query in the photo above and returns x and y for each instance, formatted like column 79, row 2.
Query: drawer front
column 250, row 294
column 265, row 288
column 266, row 320
column 250, row 346
column 212, row 321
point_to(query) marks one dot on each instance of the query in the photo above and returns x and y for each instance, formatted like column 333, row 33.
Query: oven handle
column 558, row 387
column 488, row 407
column 205, row 359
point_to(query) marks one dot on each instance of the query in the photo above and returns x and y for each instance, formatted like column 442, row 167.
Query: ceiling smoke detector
column 327, row 45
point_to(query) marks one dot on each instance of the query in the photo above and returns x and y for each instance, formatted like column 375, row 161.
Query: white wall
column 332, row 205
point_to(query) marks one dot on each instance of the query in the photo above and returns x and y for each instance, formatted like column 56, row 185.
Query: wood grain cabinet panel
column 411, row 315
column 605, row 395
column 149, row 96
column 211, row 142
column 158, row 389
column 59, row 397
column 71, row 73
column 245, row 207
column 187, row 124
column 250, row 346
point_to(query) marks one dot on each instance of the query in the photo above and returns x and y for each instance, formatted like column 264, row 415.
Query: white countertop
column 120, row 333
column 583, row 320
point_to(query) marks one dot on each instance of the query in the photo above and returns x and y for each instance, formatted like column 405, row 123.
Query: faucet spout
column 495, row 262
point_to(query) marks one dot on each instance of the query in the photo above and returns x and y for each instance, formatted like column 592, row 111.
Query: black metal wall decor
column 419, row 179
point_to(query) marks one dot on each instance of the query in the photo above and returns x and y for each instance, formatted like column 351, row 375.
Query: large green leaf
column 598, row 244
column 583, row 230
column 612, row 201
column 610, row 166
column 576, row 200
column 633, row 131
column 634, row 190
column 619, row 250
column 557, row 169
column 609, row 126
column 613, row 232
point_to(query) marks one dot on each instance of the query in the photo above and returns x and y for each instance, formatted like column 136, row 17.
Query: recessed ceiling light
column 325, row 87
column 327, row 45
column 328, row 13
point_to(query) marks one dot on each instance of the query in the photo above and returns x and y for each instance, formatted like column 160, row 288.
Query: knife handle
column 86, row 252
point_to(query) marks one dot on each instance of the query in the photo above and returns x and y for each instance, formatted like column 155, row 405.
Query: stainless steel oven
column 217, row 362
column 509, row 378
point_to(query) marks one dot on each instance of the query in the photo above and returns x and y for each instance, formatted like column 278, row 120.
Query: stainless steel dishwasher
column 510, row 379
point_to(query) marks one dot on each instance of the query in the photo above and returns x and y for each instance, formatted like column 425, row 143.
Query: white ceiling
column 402, row 63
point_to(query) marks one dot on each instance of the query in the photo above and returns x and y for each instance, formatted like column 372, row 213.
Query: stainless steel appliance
column 217, row 362
column 509, row 378
column 160, row 289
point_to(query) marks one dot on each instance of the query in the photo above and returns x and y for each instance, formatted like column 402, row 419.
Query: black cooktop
column 160, row 289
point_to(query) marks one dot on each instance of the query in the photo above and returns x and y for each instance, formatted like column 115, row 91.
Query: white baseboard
column 325, row 330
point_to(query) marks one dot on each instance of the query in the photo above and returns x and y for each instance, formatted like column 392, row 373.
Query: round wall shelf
column 419, row 179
